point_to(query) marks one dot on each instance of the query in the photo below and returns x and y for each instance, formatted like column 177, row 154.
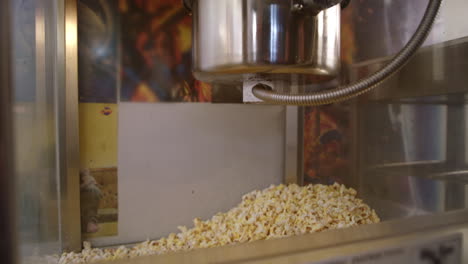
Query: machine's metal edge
column 300, row 145
column 8, row 245
column 296, row 245
column 375, row 251
column 44, row 47
column 292, row 144
column 354, row 179
column 68, row 129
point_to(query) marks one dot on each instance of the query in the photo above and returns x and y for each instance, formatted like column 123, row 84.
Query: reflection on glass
column 34, row 127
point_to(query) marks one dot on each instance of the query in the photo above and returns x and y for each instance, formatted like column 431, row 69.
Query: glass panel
column 34, row 43
column 401, row 144
column 411, row 134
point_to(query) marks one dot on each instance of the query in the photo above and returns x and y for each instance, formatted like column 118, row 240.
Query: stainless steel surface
column 381, row 28
column 320, row 246
column 41, row 120
column 33, row 60
column 38, row 68
column 68, row 130
column 45, row 123
column 364, row 85
column 8, row 227
column 403, row 250
column 293, row 164
column 232, row 38
column 300, row 148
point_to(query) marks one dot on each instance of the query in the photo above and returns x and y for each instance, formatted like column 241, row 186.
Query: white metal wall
column 181, row 161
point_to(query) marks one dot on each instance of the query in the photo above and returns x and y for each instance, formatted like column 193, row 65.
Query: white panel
column 181, row 161
column 451, row 22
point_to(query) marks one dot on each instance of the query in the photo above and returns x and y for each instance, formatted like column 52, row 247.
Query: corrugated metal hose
column 342, row 93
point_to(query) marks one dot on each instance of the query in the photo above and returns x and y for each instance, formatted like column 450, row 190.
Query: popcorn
column 278, row 211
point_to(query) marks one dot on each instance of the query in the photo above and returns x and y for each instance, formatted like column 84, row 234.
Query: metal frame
column 293, row 152
column 455, row 156
column 68, row 125
column 354, row 180
column 316, row 247
column 8, row 245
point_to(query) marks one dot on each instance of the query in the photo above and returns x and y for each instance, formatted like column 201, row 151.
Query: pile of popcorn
column 278, row 211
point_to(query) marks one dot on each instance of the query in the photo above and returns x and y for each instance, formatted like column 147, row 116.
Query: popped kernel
column 275, row 212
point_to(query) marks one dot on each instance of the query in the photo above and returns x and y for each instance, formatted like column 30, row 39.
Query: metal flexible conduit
column 342, row 93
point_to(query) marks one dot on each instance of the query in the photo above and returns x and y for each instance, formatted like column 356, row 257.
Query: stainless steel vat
column 233, row 38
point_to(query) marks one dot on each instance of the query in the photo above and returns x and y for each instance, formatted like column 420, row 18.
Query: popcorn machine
column 231, row 131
